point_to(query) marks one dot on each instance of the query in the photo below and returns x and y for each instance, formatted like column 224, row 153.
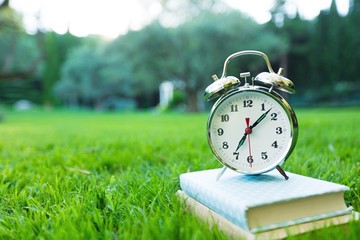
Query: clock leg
column 221, row 173
column 282, row 172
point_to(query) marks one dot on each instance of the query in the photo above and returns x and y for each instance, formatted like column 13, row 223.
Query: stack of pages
column 264, row 206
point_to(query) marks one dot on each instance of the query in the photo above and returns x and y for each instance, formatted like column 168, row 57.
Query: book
column 234, row 231
column 259, row 203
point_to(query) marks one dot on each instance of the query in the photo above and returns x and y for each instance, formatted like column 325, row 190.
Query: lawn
column 88, row 175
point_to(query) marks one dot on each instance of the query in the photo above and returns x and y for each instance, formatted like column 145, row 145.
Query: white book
column 268, row 201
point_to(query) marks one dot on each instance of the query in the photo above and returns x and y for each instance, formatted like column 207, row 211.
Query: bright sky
column 113, row 17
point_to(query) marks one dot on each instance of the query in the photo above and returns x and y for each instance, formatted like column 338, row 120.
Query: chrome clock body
column 251, row 128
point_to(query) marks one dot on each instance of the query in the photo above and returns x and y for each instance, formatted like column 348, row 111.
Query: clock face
column 252, row 131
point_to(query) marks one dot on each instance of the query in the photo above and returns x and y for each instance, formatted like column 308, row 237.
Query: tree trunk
column 191, row 100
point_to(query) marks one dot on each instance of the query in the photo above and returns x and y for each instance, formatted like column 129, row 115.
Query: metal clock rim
column 282, row 102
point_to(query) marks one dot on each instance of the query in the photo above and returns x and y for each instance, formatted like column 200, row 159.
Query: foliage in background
column 322, row 60
column 57, row 48
column 191, row 52
column 46, row 68
column 29, row 64
column 91, row 76
column 19, row 59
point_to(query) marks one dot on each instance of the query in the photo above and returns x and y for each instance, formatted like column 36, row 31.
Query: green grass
column 86, row 175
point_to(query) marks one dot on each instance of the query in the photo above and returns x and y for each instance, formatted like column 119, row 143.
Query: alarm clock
column 251, row 128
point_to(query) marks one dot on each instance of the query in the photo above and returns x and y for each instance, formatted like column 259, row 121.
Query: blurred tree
column 321, row 57
column 334, row 69
column 17, row 58
column 210, row 33
column 51, row 66
column 146, row 54
column 297, row 32
column 56, row 49
column 90, row 76
column 193, row 51
column 31, row 62
column 350, row 43
column 297, row 59
column 326, row 47
column 20, row 59
column 203, row 45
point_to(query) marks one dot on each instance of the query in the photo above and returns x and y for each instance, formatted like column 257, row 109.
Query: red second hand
column 248, row 130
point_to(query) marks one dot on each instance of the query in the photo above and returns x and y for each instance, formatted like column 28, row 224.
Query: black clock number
column 220, row 131
column 248, row 103
column 264, row 155
column 236, row 154
column 273, row 117
column 225, row 145
column 279, row 130
column 263, row 107
column 250, row 159
column 274, row 145
column 225, row 118
column 234, row 108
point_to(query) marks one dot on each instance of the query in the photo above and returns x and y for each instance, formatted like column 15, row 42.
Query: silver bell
column 276, row 80
column 220, row 86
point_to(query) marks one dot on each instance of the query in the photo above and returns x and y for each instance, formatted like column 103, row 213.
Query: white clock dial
column 251, row 131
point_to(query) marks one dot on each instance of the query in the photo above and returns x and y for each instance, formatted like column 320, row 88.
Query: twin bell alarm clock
column 251, row 128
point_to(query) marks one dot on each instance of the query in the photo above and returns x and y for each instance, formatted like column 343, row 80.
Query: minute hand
column 260, row 119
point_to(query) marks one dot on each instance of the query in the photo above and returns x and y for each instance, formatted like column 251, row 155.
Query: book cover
column 264, row 202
